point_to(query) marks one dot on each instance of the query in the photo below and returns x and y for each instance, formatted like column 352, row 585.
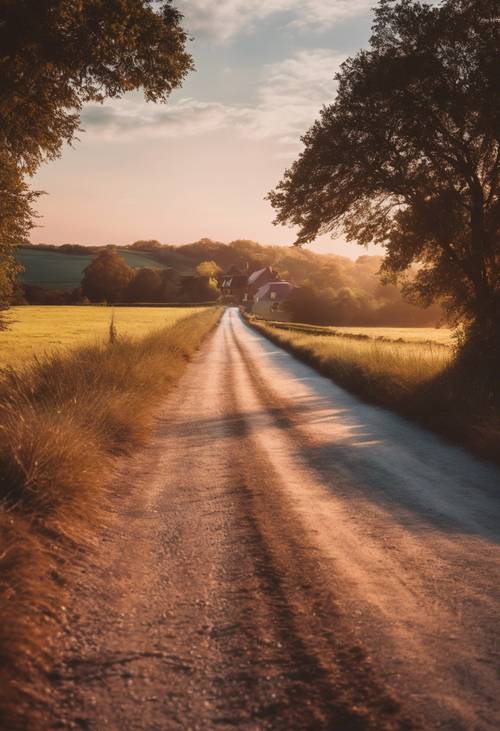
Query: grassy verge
column 417, row 380
column 423, row 335
column 64, row 421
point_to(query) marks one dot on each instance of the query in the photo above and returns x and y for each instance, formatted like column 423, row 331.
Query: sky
column 202, row 164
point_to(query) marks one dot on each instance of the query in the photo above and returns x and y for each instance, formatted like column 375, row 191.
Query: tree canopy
column 107, row 277
column 208, row 269
column 57, row 55
column 144, row 286
column 408, row 156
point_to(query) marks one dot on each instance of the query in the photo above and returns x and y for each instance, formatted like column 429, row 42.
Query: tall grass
column 64, row 421
column 418, row 380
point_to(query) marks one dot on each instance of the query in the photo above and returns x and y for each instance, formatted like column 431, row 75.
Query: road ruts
column 285, row 557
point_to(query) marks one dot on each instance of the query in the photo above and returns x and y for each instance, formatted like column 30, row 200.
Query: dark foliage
column 198, row 289
column 144, row 286
column 408, row 157
column 170, row 285
column 56, row 56
column 107, row 277
column 347, row 307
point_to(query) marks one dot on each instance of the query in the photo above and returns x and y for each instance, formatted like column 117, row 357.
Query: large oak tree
column 57, row 55
column 408, row 157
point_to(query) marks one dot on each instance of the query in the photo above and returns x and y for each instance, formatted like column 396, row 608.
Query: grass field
column 442, row 336
column 41, row 331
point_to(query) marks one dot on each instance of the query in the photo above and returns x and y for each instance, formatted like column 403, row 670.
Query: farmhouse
column 270, row 301
column 262, row 292
column 259, row 278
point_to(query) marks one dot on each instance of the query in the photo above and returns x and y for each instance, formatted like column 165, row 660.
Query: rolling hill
column 56, row 270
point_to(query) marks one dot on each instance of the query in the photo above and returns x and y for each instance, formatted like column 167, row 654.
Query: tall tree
column 15, row 220
column 57, row 55
column 408, row 157
column 107, row 277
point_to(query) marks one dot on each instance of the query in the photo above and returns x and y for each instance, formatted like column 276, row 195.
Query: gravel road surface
column 286, row 557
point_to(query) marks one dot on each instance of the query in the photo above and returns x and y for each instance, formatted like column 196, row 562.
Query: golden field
column 443, row 335
column 405, row 359
column 41, row 331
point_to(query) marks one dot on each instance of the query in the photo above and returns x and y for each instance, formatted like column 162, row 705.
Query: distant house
column 259, row 278
column 233, row 283
column 269, row 301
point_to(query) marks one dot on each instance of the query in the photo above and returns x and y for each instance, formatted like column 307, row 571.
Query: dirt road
column 286, row 557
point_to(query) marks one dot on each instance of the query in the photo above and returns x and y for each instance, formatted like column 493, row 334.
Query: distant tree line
column 332, row 290
column 109, row 279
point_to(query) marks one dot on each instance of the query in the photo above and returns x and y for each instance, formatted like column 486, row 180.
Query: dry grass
column 423, row 335
column 442, row 335
column 64, row 421
column 416, row 379
column 40, row 331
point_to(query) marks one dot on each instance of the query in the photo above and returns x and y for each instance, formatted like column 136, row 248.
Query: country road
column 286, row 557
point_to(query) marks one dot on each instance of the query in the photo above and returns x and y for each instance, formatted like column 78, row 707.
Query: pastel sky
column 202, row 164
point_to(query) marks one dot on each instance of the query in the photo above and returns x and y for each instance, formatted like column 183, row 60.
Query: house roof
column 255, row 275
column 282, row 290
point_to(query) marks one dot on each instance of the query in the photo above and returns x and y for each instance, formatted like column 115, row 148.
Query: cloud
column 292, row 93
column 221, row 20
column 123, row 119
column 289, row 97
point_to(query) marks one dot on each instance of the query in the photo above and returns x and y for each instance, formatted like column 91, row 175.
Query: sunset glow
column 202, row 164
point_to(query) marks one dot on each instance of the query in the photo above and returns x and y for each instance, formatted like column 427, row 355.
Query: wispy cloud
column 123, row 119
column 292, row 92
column 221, row 20
column 289, row 97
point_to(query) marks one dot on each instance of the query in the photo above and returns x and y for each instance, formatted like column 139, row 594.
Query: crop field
column 39, row 331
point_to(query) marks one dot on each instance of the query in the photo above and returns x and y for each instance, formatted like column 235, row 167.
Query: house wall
column 264, row 278
column 264, row 310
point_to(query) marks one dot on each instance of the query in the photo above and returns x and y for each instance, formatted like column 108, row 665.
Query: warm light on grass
column 63, row 423
column 38, row 331
column 409, row 362
column 408, row 334
column 404, row 369
column 426, row 335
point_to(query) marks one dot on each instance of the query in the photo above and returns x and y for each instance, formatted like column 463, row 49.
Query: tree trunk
column 478, row 359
